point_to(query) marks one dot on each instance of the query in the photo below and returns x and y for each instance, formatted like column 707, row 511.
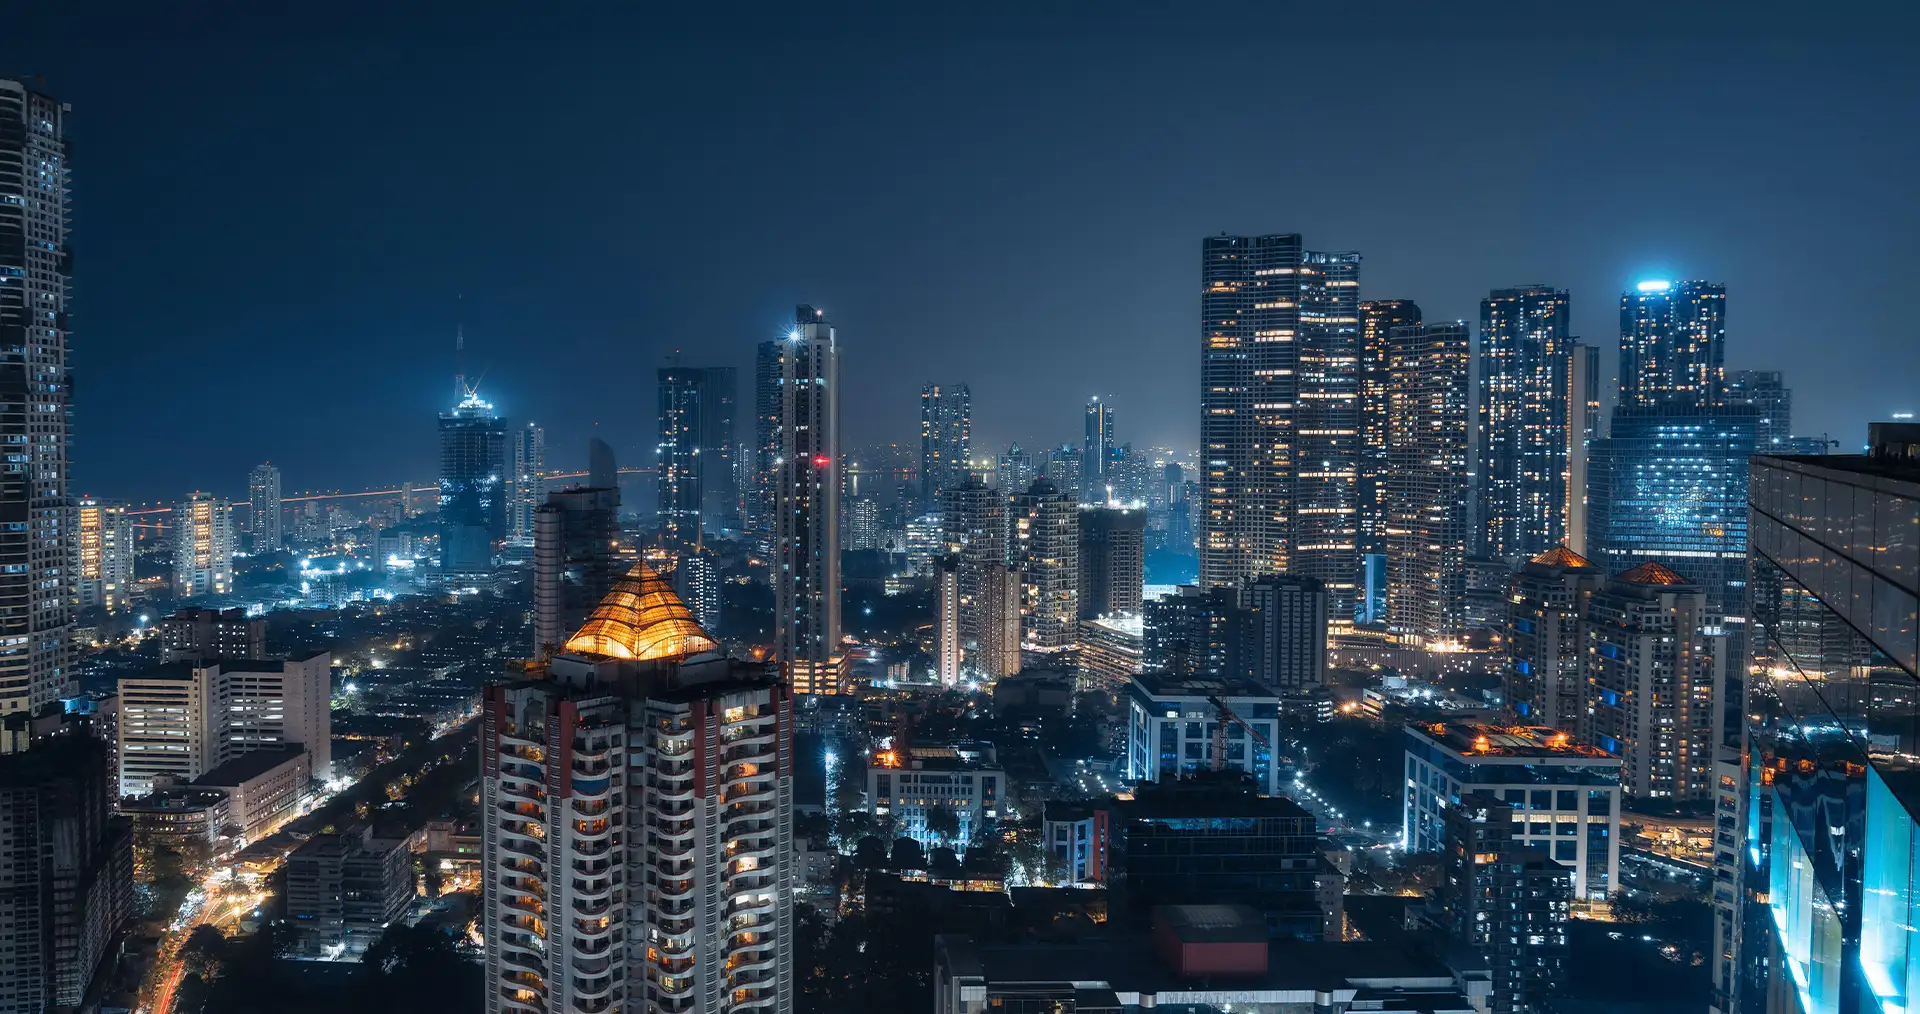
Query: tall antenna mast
column 460, row 392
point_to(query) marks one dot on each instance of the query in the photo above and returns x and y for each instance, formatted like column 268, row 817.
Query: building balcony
column 591, row 807
column 589, row 929
column 673, row 747
column 600, row 1006
column 592, row 769
column 591, row 867
column 674, row 795
column 751, row 792
column 673, row 890
column 592, row 849
column 593, row 788
column 591, row 908
column 592, row 989
column 747, row 968
column 595, row 945
column 744, row 906
column 591, row 967
column 674, row 986
column 525, row 903
column 518, row 959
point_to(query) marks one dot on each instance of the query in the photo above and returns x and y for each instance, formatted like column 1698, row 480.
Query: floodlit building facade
column 105, row 534
column 1427, row 447
column 202, row 547
column 1524, row 415
column 639, row 855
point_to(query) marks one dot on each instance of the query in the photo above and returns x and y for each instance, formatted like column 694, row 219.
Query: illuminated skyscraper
column 202, row 546
column 1583, row 428
column 1546, row 676
column 528, row 488
column 473, row 502
column 1670, row 487
column 639, row 851
column 761, row 496
column 106, row 555
column 806, row 558
column 1280, row 337
column 263, row 490
column 1046, row 526
column 1096, row 452
column 1378, row 318
column 946, row 439
column 1772, row 404
column 1672, row 345
column 1522, row 474
column 37, row 540
column 1326, row 505
column 677, row 456
column 948, row 649
column 1427, row 446
column 1660, row 671
column 1013, row 469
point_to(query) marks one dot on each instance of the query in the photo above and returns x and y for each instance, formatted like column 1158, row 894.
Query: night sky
column 275, row 217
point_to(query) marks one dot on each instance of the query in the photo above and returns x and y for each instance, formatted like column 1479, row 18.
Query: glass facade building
column 1669, row 487
column 1824, row 904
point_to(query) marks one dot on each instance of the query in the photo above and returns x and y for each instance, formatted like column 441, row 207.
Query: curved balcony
column 516, row 958
column 749, row 793
column 748, row 738
column 674, row 889
column 750, row 880
column 589, row 929
column 675, row 908
column 591, row 966
column 743, row 906
column 591, row 849
column 591, row 908
column 591, row 807
column 591, row 867
column 592, row 788
column 521, row 903
column 523, row 980
column 674, row 986
column 673, row 794
column 748, row 967
column 592, row 989
column 594, row 1006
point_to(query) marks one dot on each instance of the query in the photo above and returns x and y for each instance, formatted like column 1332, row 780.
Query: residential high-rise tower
column 1427, row 482
column 1522, row 471
column 575, row 545
column 202, row 546
column 946, row 439
column 1280, row 338
column 806, row 559
column 105, row 534
column 1673, row 339
column 527, row 491
column 37, row 539
column 1096, row 452
column 263, row 490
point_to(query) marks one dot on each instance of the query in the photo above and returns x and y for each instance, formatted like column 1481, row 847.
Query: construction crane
column 1223, row 715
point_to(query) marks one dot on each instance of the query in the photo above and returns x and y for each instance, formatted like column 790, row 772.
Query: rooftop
column 249, row 766
column 640, row 618
column 1128, row 962
column 1162, row 684
column 1472, row 739
column 1561, row 556
column 1654, row 573
column 958, row 757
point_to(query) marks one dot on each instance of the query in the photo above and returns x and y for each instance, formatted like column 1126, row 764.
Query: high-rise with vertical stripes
column 1280, row 413
column 37, row 548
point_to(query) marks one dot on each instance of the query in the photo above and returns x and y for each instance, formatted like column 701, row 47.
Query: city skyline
column 383, row 283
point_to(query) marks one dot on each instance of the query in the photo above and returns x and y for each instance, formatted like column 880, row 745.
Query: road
column 227, row 899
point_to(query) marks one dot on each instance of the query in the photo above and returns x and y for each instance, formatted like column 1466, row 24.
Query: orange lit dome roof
column 641, row 618
column 1561, row 556
column 1653, row 573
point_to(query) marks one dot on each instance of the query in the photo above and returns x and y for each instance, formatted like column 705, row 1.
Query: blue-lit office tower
column 1673, row 338
column 1823, row 911
column 1525, row 356
column 1279, row 408
column 1670, row 487
column 36, row 539
column 1668, row 484
column 1097, row 453
column 1378, row 318
column 677, row 455
column 946, row 439
column 473, row 502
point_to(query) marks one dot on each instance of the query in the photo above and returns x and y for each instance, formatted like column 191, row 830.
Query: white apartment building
column 183, row 719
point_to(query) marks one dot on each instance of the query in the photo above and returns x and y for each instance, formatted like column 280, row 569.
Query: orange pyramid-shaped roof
column 1652, row 573
column 641, row 618
column 1561, row 556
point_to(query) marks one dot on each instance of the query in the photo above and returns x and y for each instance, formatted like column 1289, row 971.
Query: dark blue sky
column 274, row 216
